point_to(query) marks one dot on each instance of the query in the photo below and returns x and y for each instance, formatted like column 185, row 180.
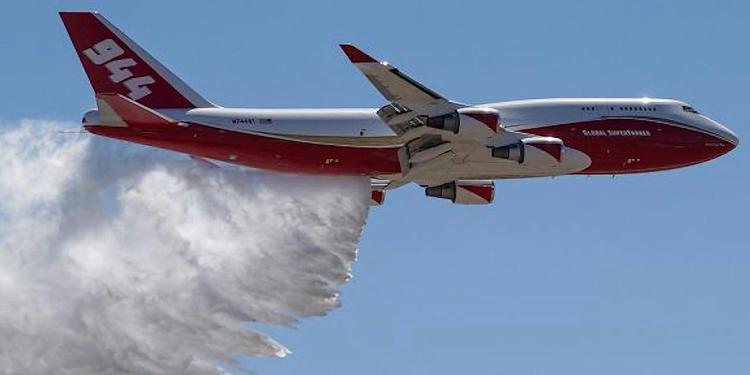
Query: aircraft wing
column 437, row 133
column 410, row 101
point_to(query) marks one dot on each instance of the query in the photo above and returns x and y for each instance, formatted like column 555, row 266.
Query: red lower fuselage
column 652, row 145
column 668, row 147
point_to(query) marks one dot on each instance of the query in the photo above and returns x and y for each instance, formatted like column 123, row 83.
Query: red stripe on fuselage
column 631, row 145
column 263, row 152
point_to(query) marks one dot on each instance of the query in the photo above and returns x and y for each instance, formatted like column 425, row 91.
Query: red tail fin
column 115, row 64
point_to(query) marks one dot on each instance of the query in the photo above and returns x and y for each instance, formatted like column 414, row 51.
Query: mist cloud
column 119, row 259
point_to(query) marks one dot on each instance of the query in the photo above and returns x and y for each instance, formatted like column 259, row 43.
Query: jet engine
column 464, row 191
column 472, row 122
column 534, row 151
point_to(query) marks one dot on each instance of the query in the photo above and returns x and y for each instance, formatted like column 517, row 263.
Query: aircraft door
column 603, row 109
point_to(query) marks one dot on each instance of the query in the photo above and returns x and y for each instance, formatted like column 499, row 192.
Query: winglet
column 356, row 55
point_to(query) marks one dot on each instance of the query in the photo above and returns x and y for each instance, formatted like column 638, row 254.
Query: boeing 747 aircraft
column 454, row 150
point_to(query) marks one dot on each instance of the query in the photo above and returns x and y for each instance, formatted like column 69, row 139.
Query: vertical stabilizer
column 116, row 65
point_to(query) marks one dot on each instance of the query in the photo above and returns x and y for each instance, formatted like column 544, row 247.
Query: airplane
column 454, row 150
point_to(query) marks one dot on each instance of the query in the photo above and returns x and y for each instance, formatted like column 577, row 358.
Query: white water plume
column 120, row 259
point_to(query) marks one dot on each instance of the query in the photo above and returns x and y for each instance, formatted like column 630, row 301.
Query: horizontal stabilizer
column 120, row 111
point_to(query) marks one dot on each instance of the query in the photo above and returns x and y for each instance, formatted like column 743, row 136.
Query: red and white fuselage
column 453, row 149
column 606, row 136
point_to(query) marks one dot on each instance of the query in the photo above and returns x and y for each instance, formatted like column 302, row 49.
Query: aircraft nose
column 732, row 137
column 724, row 132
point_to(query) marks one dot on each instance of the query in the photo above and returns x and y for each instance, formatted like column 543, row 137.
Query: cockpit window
column 689, row 109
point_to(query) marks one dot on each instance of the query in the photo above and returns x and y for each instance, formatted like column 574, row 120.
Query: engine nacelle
column 464, row 192
column 534, row 151
column 472, row 122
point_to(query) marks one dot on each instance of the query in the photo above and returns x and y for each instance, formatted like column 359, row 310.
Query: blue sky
column 642, row 274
